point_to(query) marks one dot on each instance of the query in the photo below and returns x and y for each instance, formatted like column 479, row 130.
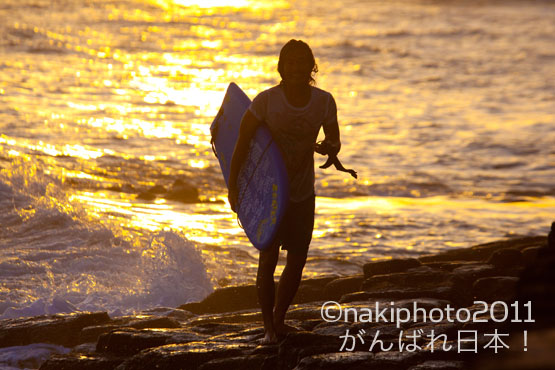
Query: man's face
column 297, row 68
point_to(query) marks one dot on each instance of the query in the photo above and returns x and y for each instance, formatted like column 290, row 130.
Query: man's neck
column 297, row 96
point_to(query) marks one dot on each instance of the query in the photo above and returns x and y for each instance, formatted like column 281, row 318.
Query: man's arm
column 249, row 124
column 332, row 137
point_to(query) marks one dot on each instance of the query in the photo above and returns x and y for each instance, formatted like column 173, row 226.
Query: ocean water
column 446, row 109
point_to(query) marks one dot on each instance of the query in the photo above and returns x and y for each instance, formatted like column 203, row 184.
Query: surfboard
column 262, row 183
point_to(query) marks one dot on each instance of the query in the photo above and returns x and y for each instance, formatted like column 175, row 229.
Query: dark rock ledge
column 223, row 331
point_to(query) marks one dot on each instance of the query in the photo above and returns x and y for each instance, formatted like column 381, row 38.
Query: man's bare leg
column 265, row 289
column 287, row 288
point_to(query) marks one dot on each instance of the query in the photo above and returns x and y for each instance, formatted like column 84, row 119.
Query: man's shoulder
column 320, row 92
column 272, row 91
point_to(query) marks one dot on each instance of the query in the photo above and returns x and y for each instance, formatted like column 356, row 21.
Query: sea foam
column 55, row 258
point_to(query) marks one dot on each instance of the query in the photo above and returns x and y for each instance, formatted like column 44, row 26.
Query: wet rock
column 28, row 357
column 337, row 361
column 396, row 360
column 249, row 335
column 335, row 329
column 125, row 188
column 481, row 314
column 439, row 365
column 155, row 323
column 152, row 193
column 305, row 313
column 126, row 342
column 62, row 329
column 483, row 251
column 129, row 341
column 145, row 195
column 497, row 288
column 359, row 360
column 302, row 344
column 235, row 298
column 183, row 356
column 81, row 362
column 440, row 292
column 308, row 325
column 226, row 299
column 529, row 255
column 551, row 237
column 505, row 258
column 92, row 333
column 214, row 328
column 89, row 347
column 157, row 189
column 439, row 328
column 341, row 286
column 356, row 297
column 227, row 327
column 538, row 354
column 447, row 266
column 464, row 277
column 536, row 284
column 472, row 272
column 424, row 278
column 261, row 362
column 311, row 290
column 267, row 349
column 184, row 192
column 442, row 350
column 296, row 340
column 241, row 319
column 389, row 266
column 176, row 314
column 426, row 303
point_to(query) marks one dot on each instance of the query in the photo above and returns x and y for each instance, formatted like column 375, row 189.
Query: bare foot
column 269, row 338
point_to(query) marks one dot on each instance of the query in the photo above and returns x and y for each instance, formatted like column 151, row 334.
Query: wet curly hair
column 294, row 45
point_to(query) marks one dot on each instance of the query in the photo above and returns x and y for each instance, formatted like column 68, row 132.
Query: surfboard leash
column 323, row 148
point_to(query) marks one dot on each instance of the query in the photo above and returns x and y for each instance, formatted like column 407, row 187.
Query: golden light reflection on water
column 328, row 206
column 203, row 4
column 197, row 163
column 148, row 129
column 342, row 217
column 201, row 227
column 71, row 150
column 337, row 219
column 209, row 4
column 122, row 84
column 187, row 75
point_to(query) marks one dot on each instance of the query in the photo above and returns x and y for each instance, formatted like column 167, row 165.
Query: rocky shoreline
column 223, row 331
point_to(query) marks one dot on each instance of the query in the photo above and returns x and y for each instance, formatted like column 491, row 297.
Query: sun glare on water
column 207, row 4
column 212, row 3
column 108, row 105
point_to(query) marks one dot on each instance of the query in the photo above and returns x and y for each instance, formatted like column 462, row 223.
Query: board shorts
column 296, row 228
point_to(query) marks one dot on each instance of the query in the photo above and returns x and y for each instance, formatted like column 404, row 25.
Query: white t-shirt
column 295, row 129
